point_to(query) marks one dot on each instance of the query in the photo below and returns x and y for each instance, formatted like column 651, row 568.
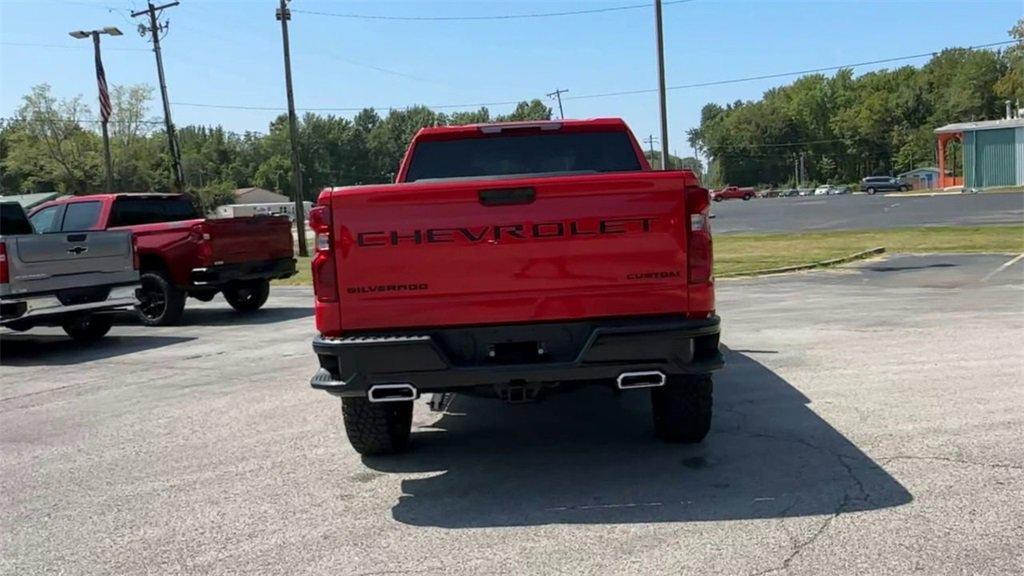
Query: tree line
column 54, row 144
column 843, row 127
column 846, row 127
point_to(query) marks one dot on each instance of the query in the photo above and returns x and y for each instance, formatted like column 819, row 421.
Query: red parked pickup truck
column 510, row 261
column 182, row 254
column 733, row 193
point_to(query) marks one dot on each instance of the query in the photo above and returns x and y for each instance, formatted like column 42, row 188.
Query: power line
column 601, row 95
column 65, row 46
column 114, row 119
column 784, row 74
column 479, row 18
column 346, row 109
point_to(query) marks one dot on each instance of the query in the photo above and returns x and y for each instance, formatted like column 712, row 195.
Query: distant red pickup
column 181, row 253
column 733, row 193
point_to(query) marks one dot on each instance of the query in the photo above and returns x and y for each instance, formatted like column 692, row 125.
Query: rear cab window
column 47, row 220
column 519, row 153
column 133, row 211
column 79, row 216
column 13, row 220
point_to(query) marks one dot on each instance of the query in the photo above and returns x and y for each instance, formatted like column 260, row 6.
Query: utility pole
column 558, row 94
column 803, row 172
column 101, row 82
column 155, row 29
column 284, row 15
column 650, row 140
column 661, row 83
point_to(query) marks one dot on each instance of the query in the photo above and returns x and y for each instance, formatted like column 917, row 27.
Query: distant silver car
column 840, row 190
column 823, row 190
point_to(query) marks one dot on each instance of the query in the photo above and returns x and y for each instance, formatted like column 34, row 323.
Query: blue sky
column 224, row 52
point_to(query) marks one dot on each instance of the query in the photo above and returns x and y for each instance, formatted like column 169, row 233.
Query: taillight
column 699, row 253
column 136, row 262
column 5, row 273
column 201, row 236
column 325, row 272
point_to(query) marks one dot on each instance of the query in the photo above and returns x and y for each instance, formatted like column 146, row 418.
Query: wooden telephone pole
column 155, row 29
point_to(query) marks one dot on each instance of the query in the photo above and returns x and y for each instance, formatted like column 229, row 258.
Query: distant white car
column 822, row 190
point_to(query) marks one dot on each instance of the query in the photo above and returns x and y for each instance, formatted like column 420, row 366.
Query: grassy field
column 744, row 253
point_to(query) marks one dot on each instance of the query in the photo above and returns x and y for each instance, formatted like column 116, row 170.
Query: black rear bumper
column 569, row 352
column 226, row 273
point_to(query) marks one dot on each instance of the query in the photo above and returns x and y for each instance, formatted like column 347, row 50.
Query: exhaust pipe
column 392, row 393
column 649, row 379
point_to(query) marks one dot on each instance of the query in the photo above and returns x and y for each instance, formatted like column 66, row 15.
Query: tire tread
column 374, row 429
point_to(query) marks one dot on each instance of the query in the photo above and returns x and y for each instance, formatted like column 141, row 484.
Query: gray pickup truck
column 63, row 279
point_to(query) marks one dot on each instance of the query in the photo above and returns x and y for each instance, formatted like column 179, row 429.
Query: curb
column 812, row 265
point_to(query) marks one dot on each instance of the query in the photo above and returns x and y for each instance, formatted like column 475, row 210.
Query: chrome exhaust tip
column 648, row 379
column 404, row 392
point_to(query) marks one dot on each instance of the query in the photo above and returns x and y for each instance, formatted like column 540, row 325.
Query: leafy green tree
column 50, row 149
column 1011, row 85
column 532, row 110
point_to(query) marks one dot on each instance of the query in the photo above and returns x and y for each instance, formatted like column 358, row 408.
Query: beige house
column 258, row 196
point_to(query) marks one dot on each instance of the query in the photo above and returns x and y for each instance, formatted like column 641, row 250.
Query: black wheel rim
column 152, row 300
column 245, row 295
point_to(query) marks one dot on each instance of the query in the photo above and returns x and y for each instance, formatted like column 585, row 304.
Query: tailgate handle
column 77, row 237
column 507, row 196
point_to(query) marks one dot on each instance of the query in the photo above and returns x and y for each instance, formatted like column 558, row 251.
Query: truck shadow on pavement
column 226, row 316
column 589, row 457
column 39, row 350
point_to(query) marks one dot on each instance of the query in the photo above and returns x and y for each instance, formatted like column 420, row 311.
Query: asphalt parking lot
column 869, row 421
column 857, row 211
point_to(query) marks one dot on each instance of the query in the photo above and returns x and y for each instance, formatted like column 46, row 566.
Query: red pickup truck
column 733, row 193
column 181, row 253
column 511, row 261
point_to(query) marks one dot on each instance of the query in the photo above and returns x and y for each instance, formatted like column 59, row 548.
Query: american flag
column 101, row 79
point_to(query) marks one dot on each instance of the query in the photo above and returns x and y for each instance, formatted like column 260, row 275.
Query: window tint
column 81, row 216
column 13, row 219
column 130, row 211
column 513, row 154
column 45, row 221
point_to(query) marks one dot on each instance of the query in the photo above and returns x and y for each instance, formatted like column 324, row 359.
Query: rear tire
column 161, row 303
column 375, row 429
column 871, row 191
column 682, row 409
column 248, row 296
column 746, row 197
column 904, row 188
column 717, row 198
column 88, row 328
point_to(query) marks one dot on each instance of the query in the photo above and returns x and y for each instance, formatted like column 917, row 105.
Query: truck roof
column 479, row 130
column 110, row 195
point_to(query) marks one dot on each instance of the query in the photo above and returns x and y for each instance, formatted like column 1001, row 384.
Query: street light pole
column 105, row 108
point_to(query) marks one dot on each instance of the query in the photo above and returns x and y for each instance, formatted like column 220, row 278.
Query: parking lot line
column 1005, row 265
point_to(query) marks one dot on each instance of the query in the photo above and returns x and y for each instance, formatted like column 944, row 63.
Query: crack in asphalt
column 947, row 459
column 854, row 493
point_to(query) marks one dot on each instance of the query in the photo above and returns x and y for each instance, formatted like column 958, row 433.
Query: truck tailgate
column 447, row 253
column 50, row 262
column 235, row 240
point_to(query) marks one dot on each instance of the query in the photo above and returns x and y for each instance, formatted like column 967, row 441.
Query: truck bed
column 458, row 253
